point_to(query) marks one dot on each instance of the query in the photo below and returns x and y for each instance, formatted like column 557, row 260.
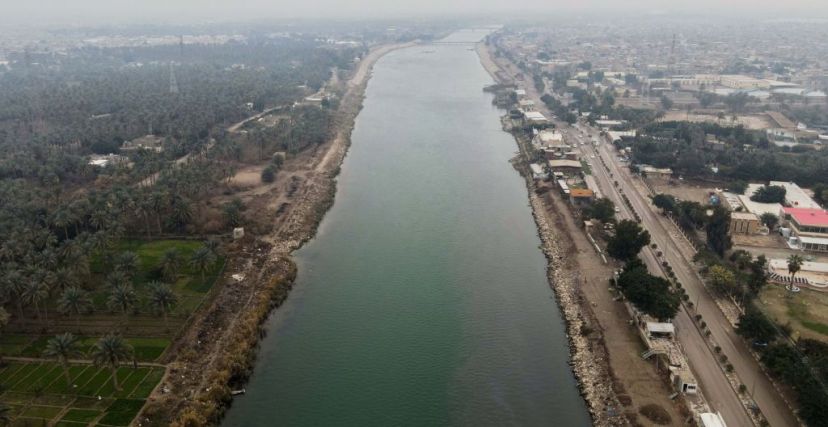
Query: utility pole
column 173, row 81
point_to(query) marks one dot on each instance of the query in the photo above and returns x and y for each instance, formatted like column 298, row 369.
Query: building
column 744, row 223
column 808, row 228
column 656, row 173
column 526, row 104
column 565, row 166
column 795, row 196
column 104, row 160
column 538, row 172
column 535, row 117
column 148, row 142
column 581, row 196
column 710, row 419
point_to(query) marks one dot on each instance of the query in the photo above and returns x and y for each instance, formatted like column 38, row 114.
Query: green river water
column 423, row 299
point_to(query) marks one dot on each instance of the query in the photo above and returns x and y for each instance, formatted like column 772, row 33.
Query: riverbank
column 216, row 354
column 604, row 350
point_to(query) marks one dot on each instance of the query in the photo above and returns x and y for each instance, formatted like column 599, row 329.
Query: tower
column 173, row 82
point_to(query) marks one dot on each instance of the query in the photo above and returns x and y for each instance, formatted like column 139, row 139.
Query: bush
column 269, row 174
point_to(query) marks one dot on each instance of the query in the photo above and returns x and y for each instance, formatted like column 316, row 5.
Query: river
column 423, row 299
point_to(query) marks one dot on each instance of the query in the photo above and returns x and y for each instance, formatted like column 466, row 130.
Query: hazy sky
column 183, row 11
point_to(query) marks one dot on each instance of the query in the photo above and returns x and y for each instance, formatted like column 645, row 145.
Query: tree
column 74, row 301
column 269, row 174
column 232, row 212
column 35, row 292
column 723, row 280
column 754, row 325
column 770, row 220
column 601, row 209
column 127, row 262
column 794, row 265
column 110, row 351
column 665, row 202
column 666, row 102
column 821, row 194
column 162, row 299
column 628, row 240
column 122, row 298
column 758, row 277
column 170, row 264
column 769, row 194
column 62, row 348
column 648, row 293
column 201, row 260
column 717, row 231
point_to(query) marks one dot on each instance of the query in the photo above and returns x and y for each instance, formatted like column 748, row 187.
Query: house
column 581, row 196
column 568, row 167
column 147, row 142
column 535, row 117
column 526, row 104
column 744, row 223
column 538, row 172
column 795, row 196
column 104, row 160
column 656, row 173
column 808, row 228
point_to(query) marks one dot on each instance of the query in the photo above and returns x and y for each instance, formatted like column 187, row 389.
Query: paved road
column 678, row 253
column 717, row 390
column 714, row 384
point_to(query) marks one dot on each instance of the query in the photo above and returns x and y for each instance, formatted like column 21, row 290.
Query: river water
column 423, row 299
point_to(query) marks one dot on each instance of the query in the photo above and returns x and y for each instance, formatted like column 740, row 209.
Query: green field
column 190, row 286
column 806, row 312
column 146, row 349
column 38, row 394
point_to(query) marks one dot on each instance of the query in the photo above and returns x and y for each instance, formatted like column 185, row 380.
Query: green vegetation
column 602, row 209
column 628, row 240
column 650, row 294
column 41, row 393
column 769, row 194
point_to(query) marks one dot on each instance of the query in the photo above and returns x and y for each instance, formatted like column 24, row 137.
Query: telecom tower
column 173, row 82
column 672, row 60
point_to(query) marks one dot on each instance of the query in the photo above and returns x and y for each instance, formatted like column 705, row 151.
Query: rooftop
column 581, row 192
column 808, row 216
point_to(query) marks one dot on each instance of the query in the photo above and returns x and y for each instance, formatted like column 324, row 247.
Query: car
column 592, row 156
column 617, row 209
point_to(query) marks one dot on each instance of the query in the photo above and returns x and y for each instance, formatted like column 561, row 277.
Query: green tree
column 754, row 325
column 666, row 102
column 601, row 209
column 770, row 220
column 202, row 260
column 769, row 194
column 269, row 174
column 170, row 264
column 122, row 298
column 758, row 277
column 36, row 292
column 74, row 301
column 650, row 294
column 110, row 351
column 62, row 348
column 163, row 299
column 665, row 202
column 5, row 414
column 723, row 280
column 794, row 265
column 628, row 240
column 717, row 231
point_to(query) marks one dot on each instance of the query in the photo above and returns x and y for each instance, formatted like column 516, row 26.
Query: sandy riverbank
column 216, row 353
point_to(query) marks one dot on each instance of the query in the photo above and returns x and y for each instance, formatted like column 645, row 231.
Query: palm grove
column 66, row 226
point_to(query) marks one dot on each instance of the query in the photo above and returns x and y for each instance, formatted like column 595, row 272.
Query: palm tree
column 127, row 262
column 74, row 301
column 201, row 260
column 64, row 278
column 794, row 265
column 109, row 352
column 62, row 348
column 170, row 264
column 122, row 299
column 13, row 288
column 35, row 292
column 163, row 299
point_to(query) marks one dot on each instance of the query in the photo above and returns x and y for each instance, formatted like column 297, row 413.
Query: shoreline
column 218, row 351
column 590, row 369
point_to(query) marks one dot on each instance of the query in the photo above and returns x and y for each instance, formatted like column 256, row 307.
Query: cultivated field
column 37, row 394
